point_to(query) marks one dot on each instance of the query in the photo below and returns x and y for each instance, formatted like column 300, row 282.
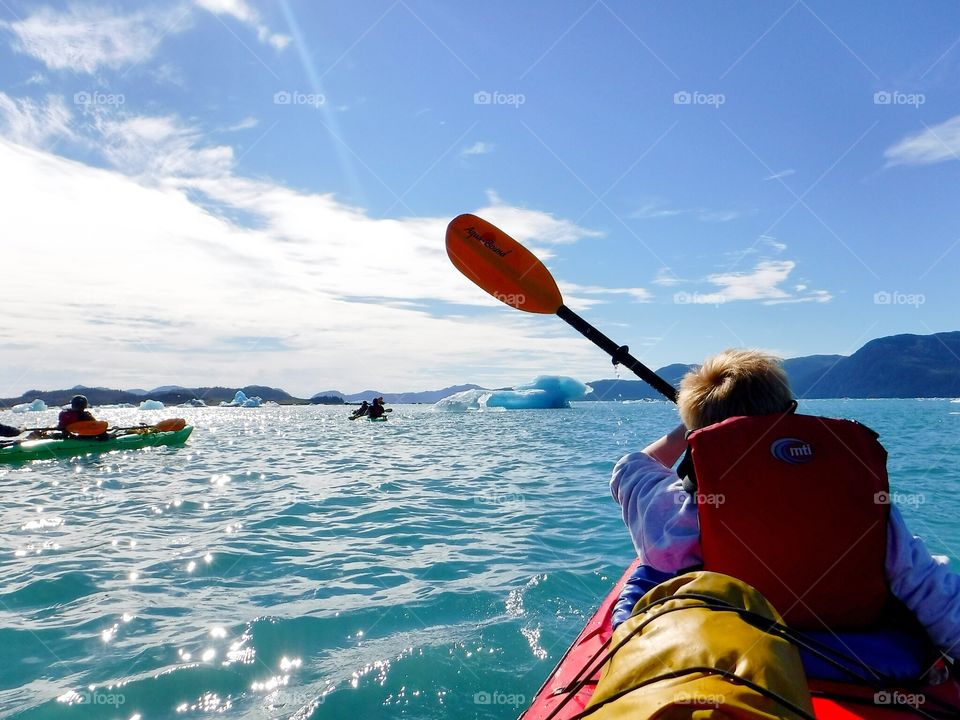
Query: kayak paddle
column 169, row 425
column 83, row 428
column 515, row 276
column 92, row 428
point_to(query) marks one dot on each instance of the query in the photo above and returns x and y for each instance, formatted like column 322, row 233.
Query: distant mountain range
column 168, row 395
column 899, row 366
column 427, row 396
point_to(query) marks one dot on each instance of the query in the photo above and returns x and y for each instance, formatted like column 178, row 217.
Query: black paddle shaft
column 619, row 353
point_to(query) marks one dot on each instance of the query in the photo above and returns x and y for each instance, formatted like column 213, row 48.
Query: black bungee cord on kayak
column 761, row 622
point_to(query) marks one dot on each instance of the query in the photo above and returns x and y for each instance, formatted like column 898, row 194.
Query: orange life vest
column 797, row 506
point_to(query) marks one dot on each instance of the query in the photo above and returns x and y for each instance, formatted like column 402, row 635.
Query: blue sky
column 238, row 191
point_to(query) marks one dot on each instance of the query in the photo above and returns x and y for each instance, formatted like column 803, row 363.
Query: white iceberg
column 37, row 405
column 151, row 405
column 545, row 392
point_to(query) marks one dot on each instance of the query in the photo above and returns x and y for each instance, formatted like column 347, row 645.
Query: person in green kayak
column 800, row 505
column 9, row 431
column 377, row 410
column 361, row 411
column 77, row 412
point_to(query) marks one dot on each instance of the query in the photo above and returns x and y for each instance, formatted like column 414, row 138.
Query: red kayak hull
column 552, row 701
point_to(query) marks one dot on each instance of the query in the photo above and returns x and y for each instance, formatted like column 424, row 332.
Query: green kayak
column 48, row 449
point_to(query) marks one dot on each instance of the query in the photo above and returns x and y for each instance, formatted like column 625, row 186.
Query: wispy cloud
column 666, row 277
column 33, row 123
column 85, row 38
column 719, row 216
column 478, row 148
column 781, row 174
column 573, row 294
column 773, row 243
column 245, row 124
column 658, row 209
column 160, row 147
column 240, row 10
column 932, row 145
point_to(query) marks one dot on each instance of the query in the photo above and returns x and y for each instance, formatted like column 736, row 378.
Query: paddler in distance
column 8, row 431
column 77, row 412
column 361, row 411
column 376, row 408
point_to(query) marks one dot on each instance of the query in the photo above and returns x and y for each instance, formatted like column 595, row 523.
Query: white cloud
column 478, row 148
column 573, row 294
column 245, row 124
column 28, row 122
column 150, row 275
column 532, row 228
column 666, row 277
column 932, row 145
column 85, row 38
column 240, row 10
column 763, row 283
column 160, row 147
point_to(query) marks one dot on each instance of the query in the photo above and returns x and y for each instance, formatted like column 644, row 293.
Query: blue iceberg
column 151, row 405
column 37, row 405
column 241, row 400
column 544, row 393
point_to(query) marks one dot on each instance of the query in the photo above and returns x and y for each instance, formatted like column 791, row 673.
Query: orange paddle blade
column 171, row 425
column 501, row 266
column 88, row 428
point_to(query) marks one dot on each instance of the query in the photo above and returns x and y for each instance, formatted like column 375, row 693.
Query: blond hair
column 731, row 383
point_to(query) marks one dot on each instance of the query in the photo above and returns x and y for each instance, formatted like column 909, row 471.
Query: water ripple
column 290, row 563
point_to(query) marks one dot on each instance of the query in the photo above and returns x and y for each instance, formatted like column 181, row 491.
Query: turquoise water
column 289, row 563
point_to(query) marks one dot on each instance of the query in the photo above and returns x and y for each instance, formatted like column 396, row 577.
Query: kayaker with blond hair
column 799, row 505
